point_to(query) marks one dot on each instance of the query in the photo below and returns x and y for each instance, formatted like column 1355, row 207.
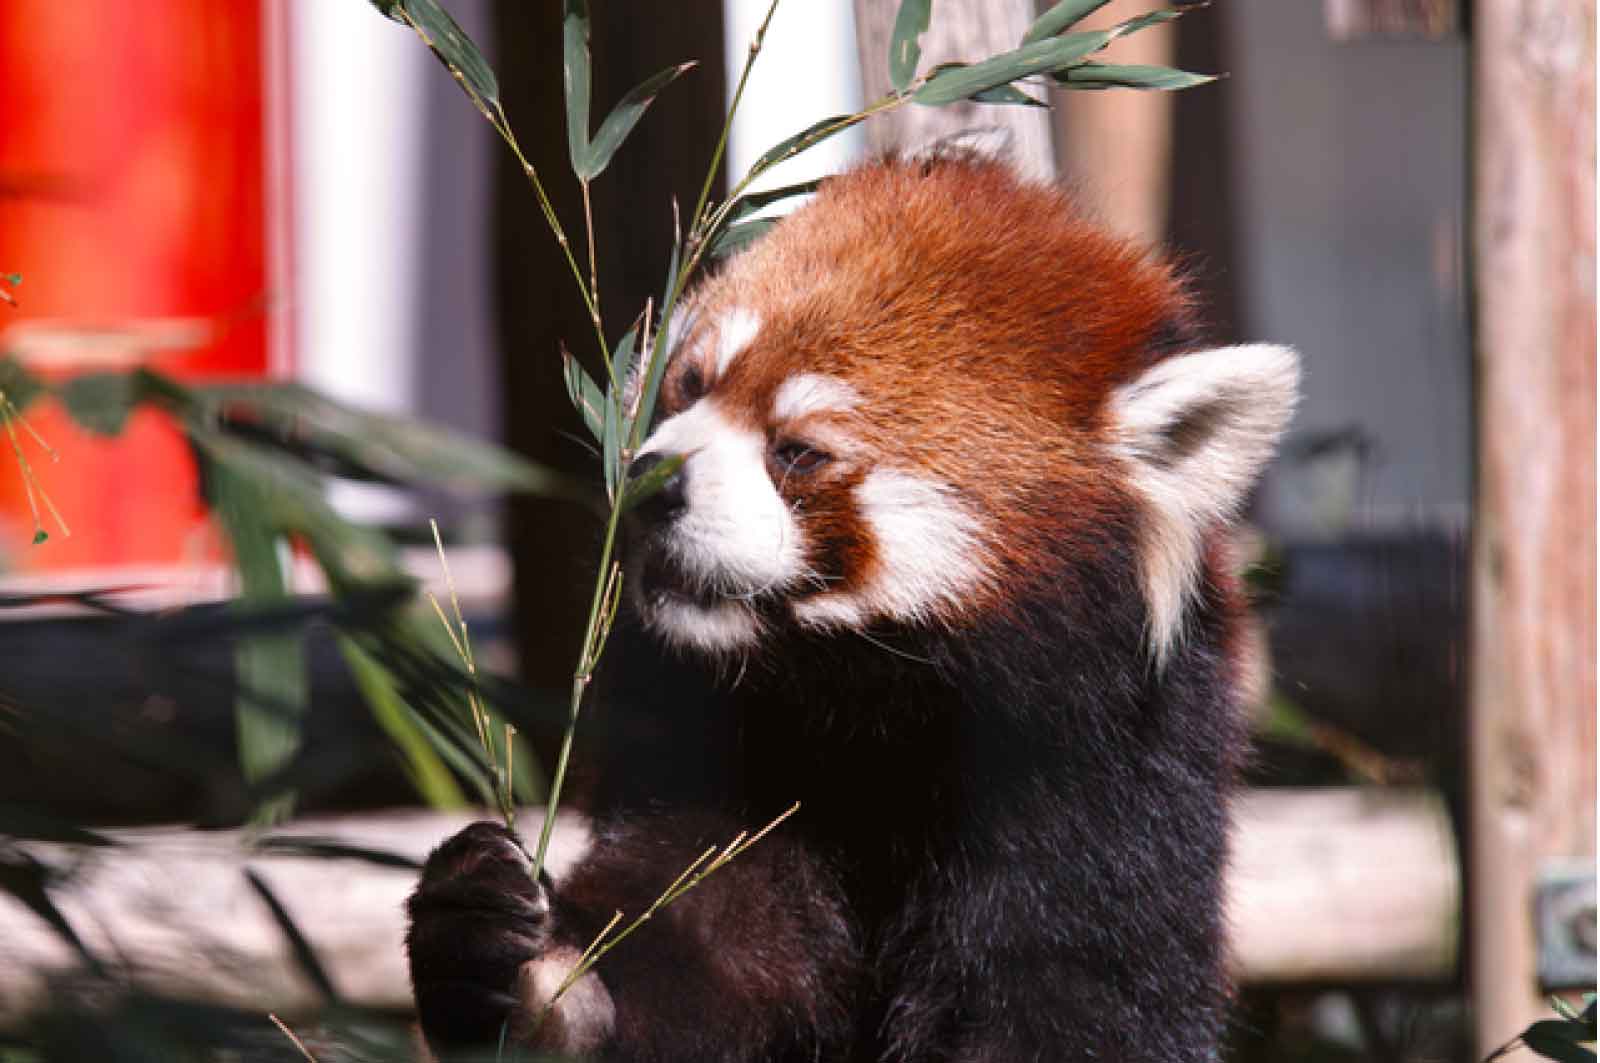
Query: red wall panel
column 132, row 200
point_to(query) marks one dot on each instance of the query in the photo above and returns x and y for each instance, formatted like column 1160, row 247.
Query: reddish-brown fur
column 1020, row 424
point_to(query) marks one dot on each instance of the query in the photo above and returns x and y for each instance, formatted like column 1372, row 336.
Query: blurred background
column 296, row 191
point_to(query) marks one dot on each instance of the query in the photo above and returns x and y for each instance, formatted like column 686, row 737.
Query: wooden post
column 1116, row 147
column 1532, row 729
column 956, row 32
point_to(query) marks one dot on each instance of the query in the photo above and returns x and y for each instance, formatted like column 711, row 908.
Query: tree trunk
column 1532, row 729
column 965, row 32
column 1116, row 147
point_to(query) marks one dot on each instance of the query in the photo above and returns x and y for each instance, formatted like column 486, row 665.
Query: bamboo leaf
column 1146, row 20
column 1060, row 17
column 101, row 402
column 299, row 947
column 28, row 881
column 388, row 447
column 622, row 355
column 1092, row 75
column 642, row 487
column 461, row 751
column 807, row 138
column 623, row 117
column 271, row 667
column 449, row 44
column 748, row 204
column 1040, row 57
column 18, row 386
column 1007, row 94
column 611, row 442
column 333, row 849
column 729, row 236
column 657, row 356
column 575, row 80
column 905, row 48
column 736, row 237
column 1051, row 55
column 17, row 821
column 428, row 773
column 1565, row 1010
column 280, row 496
column 1559, row 1039
column 585, row 394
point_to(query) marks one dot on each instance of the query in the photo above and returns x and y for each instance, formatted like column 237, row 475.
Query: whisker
column 895, row 650
column 573, row 437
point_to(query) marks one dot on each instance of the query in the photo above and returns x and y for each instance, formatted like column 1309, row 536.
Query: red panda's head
column 914, row 391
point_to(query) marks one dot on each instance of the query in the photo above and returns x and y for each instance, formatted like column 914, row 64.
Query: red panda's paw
column 478, row 916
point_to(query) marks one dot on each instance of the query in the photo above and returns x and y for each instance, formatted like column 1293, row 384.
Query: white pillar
column 356, row 160
column 806, row 72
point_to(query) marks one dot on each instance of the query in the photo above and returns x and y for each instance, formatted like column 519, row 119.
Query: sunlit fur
column 945, row 563
column 1006, row 394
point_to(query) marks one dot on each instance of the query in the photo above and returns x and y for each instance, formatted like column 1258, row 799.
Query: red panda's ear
column 1195, row 430
column 989, row 143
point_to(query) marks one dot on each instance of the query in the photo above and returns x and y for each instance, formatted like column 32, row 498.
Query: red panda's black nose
column 670, row 499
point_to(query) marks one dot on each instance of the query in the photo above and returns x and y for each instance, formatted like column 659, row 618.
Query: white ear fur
column 984, row 142
column 1195, row 430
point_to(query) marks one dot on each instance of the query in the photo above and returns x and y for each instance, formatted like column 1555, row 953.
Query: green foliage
column 100, row 402
column 262, row 451
column 1092, row 75
column 1059, row 17
column 1057, row 56
column 1567, row 1039
column 905, row 48
column 450, row 45
column 620, row 122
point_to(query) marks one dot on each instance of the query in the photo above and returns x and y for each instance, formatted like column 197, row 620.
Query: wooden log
column 1531, row 738
column 957, row 32
column 1357, row 884
column 171, row 911
column 1325, row 884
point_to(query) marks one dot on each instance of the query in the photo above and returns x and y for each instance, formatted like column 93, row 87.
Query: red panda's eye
column 799, row 458
column 692, row 384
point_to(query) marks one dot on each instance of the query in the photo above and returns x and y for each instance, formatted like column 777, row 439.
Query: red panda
column 944, row 563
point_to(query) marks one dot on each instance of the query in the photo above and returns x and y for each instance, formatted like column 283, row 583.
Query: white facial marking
column 930, row 558
column 735, row 539
column 1196, row 430
column 710, row 629
column 681, row 324
column 734, row 333
column 736, row 529
column 808, row 393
